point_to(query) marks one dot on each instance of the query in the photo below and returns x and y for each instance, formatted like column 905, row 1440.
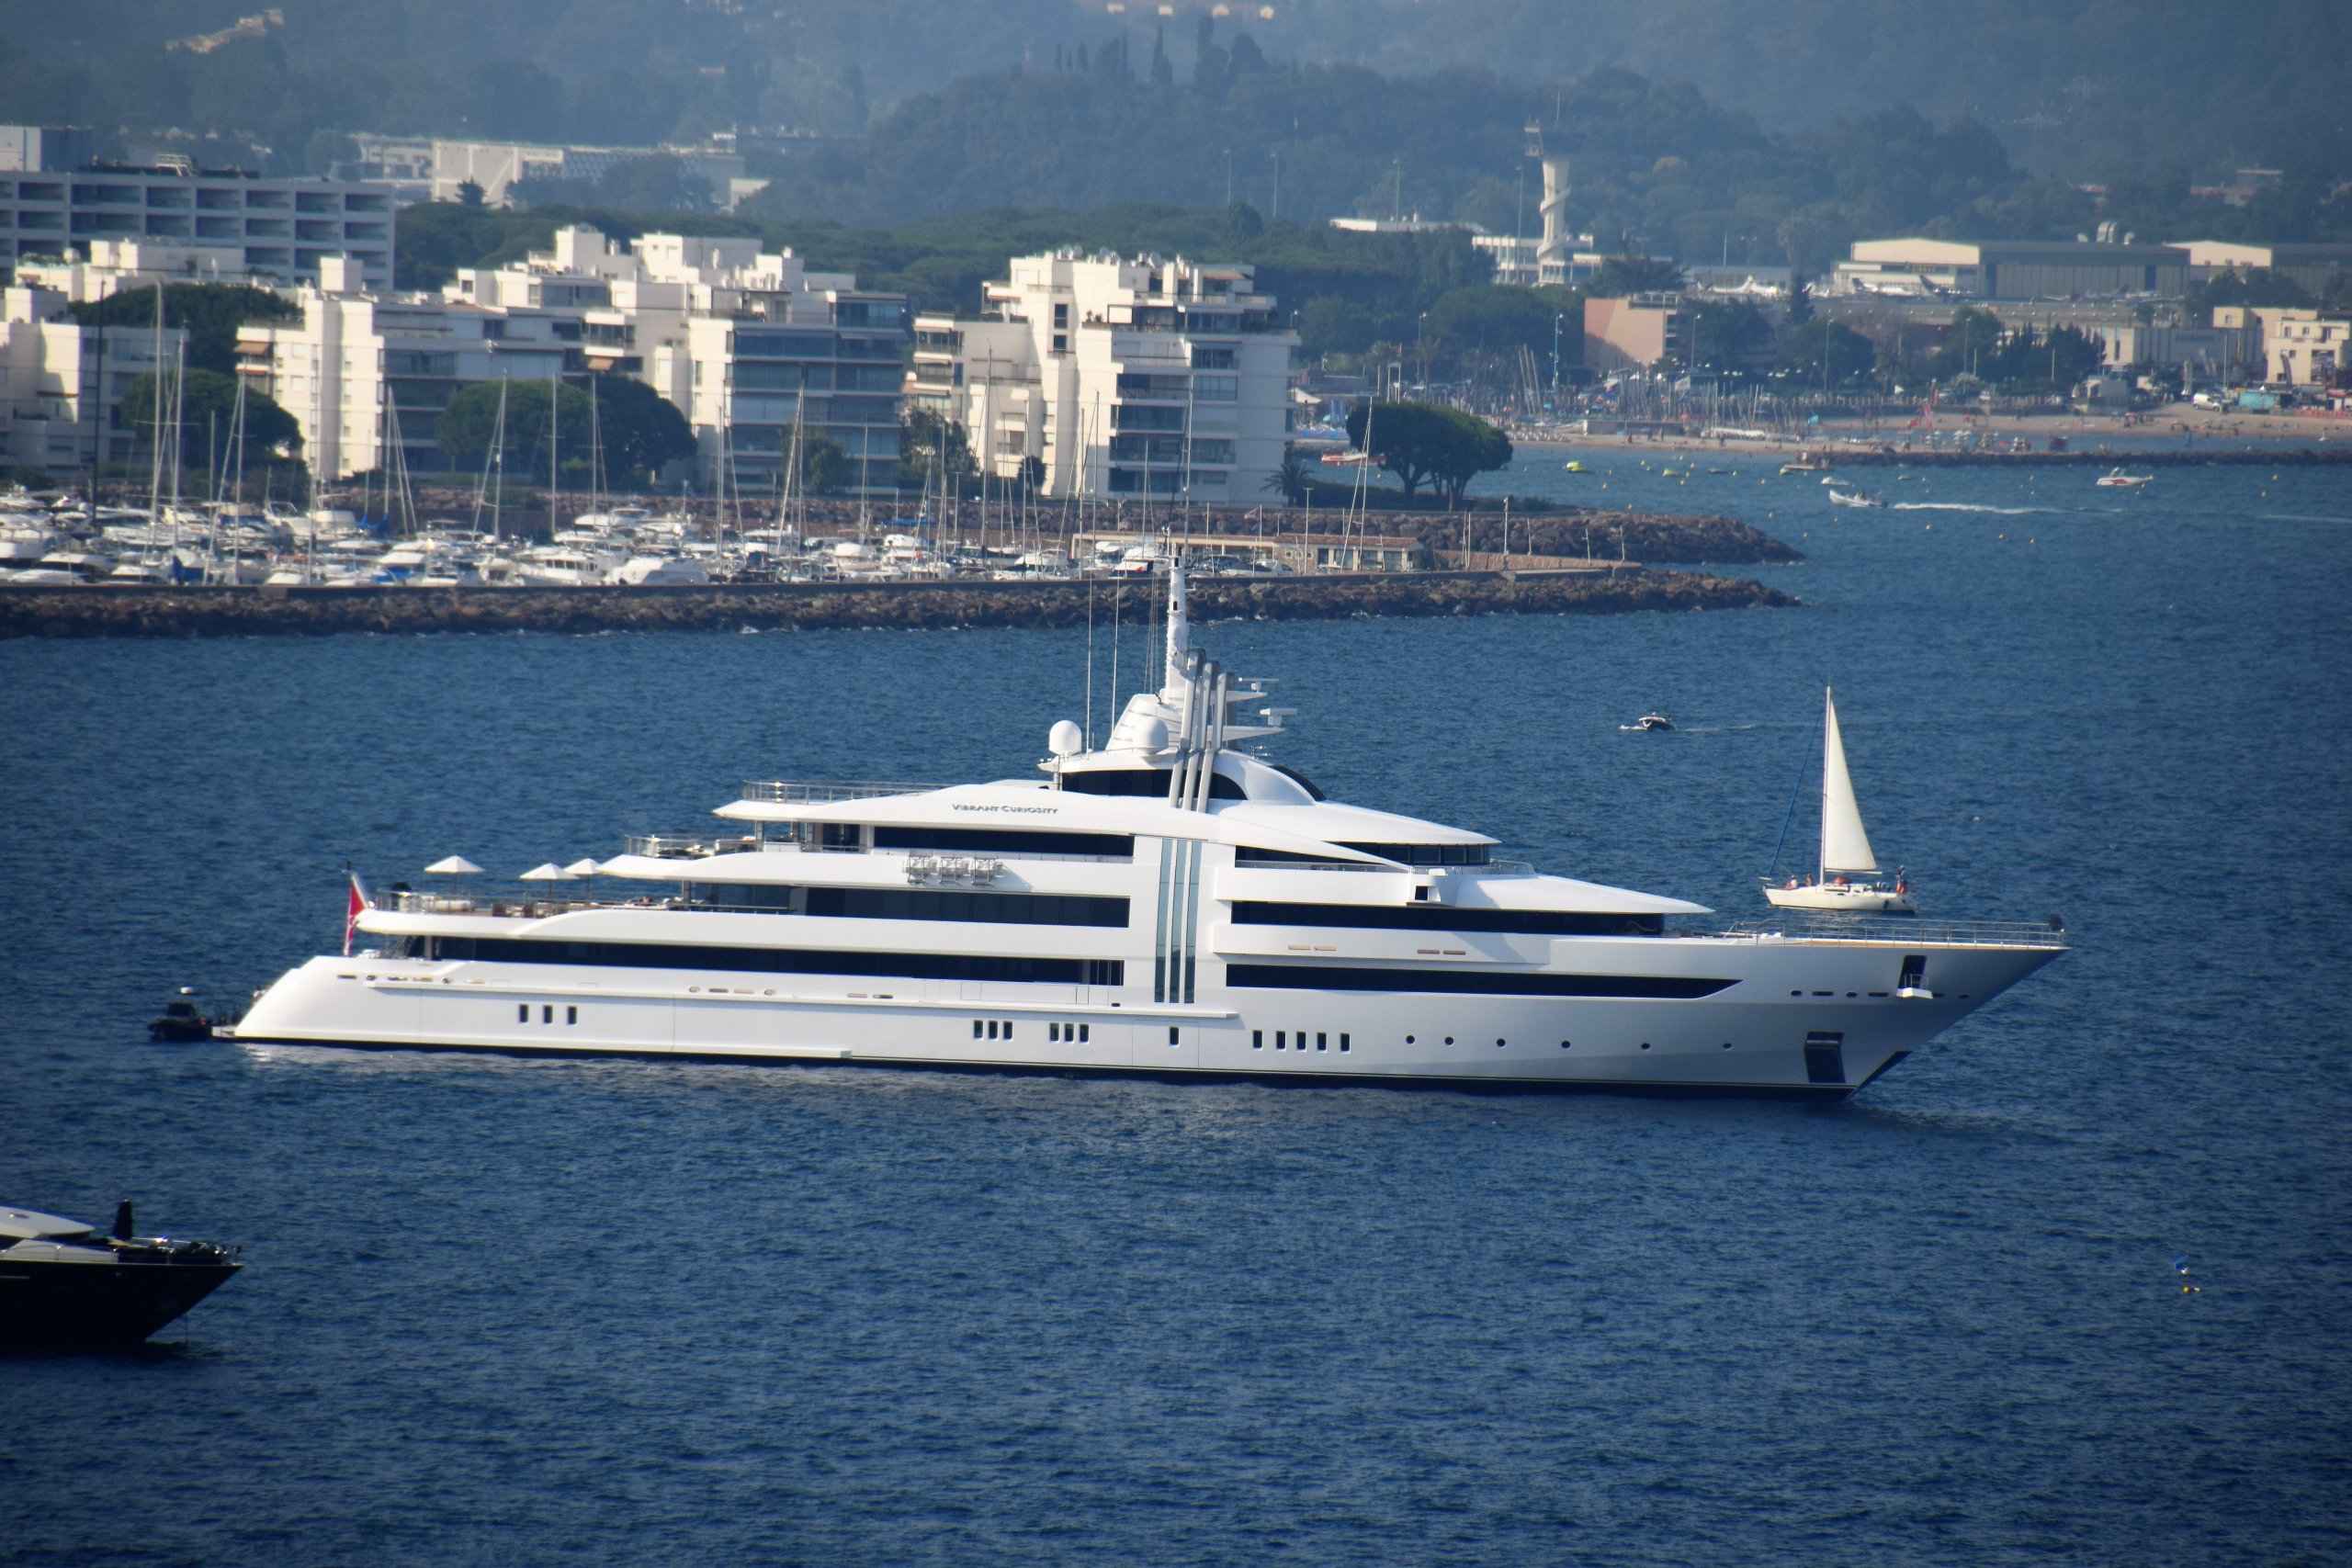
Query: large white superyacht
column 1168, row 903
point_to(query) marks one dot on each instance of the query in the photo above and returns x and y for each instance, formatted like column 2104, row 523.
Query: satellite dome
column 1151, row 735
column 1065, row 739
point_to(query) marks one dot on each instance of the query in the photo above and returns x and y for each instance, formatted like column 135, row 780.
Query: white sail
column 1843, row 846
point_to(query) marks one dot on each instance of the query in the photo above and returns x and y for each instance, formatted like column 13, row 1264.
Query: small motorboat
column 1653, row 721
column 62, row 1283
column 1854, row 498
column 1574, row 469
column 183, row 1021
column 2116, row 478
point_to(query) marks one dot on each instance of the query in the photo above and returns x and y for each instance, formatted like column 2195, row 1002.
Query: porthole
column 1564, row 1045
column 1408, row 1040
column 1645, row 1044
column 1499, row 1044
column 1726, row 1044
column 1449, row 1040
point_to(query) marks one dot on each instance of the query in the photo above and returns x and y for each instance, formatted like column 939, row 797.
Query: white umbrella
column 587, row 868
column 550, row 872
column 455, row 865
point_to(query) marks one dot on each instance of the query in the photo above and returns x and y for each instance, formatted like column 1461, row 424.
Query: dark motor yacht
column 62, row 1284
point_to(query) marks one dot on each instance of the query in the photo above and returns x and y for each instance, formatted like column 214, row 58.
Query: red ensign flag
column 359, row 900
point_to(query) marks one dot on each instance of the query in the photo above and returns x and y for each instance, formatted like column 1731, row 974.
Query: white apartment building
column 437, row 168
column 48, row 361
column 2299, row 348
column 116, row 266
column 281, row 229
column 742, row 341
column 360, row 365
column 1125, row 377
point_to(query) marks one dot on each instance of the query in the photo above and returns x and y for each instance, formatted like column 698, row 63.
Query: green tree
column 1728, row 335
column 208, row 412
column 637, row 431
column 1295, row 476
column 469, row 423
column 1823, row 352
column 825, row 467
column 640, row 430
column 1621, row 276
column 211, row 312
column 1333, row 325
column 929, row 447
column 1972, row 347
column 1498, row 320
column 1427, row 443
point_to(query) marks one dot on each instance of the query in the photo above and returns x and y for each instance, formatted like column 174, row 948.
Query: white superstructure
column 1166, row 903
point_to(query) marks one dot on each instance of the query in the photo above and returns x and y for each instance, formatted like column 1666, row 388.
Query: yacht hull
column 1794, row 1017
column 78, row 1303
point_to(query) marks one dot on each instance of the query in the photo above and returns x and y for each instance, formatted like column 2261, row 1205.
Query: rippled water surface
column 627, row 1311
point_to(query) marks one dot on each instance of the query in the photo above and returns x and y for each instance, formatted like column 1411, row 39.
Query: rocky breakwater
column 1582, row 533
column 78, row 612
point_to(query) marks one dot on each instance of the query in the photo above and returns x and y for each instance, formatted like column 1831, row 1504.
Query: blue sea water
column 502, row 1311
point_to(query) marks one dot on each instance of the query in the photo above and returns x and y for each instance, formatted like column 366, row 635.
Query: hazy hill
column 2087, row 88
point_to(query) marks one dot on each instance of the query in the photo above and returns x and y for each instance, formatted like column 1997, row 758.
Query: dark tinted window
column 1438, row 918
column 1152, row 781
column 1411, row 855
column 782, row 961
column 1465, row 982
column 913, row 904
column 1004, row 841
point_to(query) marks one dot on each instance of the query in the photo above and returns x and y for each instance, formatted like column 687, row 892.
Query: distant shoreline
column 101, row 611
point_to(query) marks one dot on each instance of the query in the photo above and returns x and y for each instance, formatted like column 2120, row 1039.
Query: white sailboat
column 1847, row 877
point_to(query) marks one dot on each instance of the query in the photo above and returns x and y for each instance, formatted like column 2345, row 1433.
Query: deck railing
column 794, row 792
column 1850, row 927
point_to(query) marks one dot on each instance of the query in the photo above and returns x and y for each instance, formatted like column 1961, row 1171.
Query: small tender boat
column 62, row 1284
column 1847, row 867
column 2116, row 478
column 1854, row 498
column 1574, row 469
column 183, row 1021
column 1653, row 721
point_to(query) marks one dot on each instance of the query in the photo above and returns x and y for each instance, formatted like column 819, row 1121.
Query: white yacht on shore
column 1167, row 903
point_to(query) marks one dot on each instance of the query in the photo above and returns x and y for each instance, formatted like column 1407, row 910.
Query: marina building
column 53, row 202
column 2312, row 268
column 1121, row 376
column 2300, row 348
column 2012, row 269
column 62, row 383
column 1636, row 333
column 2224, row 355
column 742, row 340
column 439, row 168
column 361, row 368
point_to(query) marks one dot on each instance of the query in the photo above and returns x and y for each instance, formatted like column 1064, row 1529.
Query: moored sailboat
column 1847, row 877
